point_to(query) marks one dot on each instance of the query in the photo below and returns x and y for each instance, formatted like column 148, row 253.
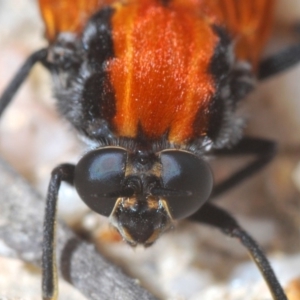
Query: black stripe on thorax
column 219, row 68
column 98, row 98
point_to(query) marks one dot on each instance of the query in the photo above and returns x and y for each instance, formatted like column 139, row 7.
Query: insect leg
column 38, row 56
column 279, row 62
column 217, row 217
column 64, row 172
column 264, row 149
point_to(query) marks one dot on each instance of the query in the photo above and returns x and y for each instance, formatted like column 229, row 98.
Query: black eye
column 98, row 178
column 190, row 176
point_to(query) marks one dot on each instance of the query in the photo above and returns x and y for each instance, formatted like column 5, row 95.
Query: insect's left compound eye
column 98, row 178
column 190, row 180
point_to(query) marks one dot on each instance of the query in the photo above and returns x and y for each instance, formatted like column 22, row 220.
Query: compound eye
column 190, row 177
column 98, row 178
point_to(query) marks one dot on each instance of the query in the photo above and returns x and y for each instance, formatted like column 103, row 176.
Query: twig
column 21, row 219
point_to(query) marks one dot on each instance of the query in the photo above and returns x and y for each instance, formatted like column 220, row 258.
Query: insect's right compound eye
column 190, row 176
column 99, row 176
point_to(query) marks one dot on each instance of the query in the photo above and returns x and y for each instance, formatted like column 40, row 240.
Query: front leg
column 217, row 217
column 64, row 172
